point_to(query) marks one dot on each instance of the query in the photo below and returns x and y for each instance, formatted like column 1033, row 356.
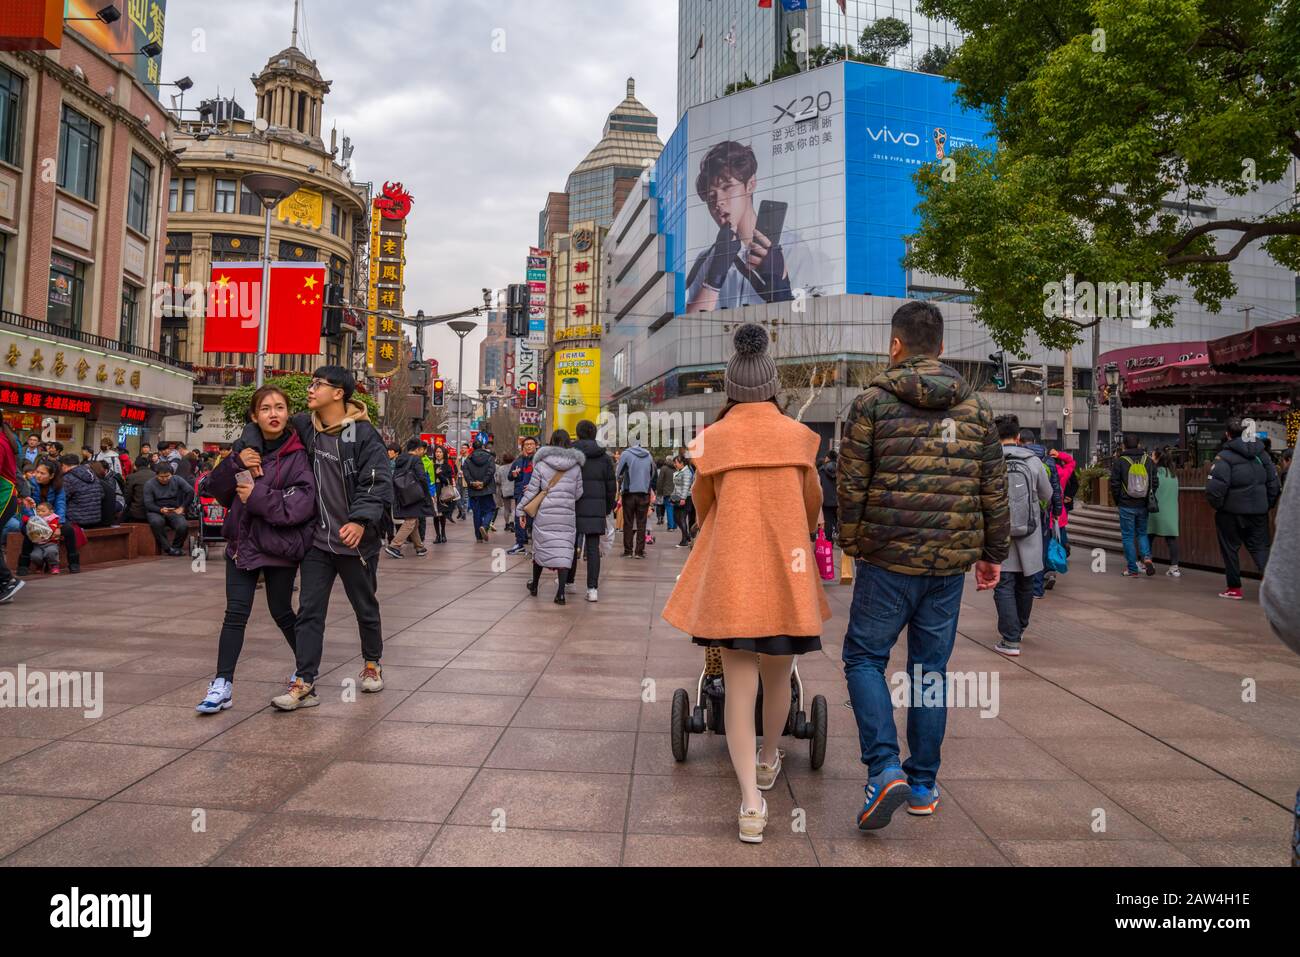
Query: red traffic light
column 438, row 386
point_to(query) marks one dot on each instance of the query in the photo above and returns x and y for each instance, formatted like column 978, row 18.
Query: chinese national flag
column 234, row 302
column 297, row 306
column 765, row 3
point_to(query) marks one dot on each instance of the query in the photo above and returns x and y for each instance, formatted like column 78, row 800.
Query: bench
column 127, row 542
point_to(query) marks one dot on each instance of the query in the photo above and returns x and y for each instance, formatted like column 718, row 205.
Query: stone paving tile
column 1047, row 810
column 292, row 734
column 859, row 849
column 82, row 769
column 12, row 747
column 458, row 846
column 224, row 779
column 471, row 681
column 386, row 792
column 537, row 749
column 565, row 801
column 589, row 714
column 135, row 835
column 280, row 840
column 159, row 726
column 1095, row 854
column 24, row 818
column 447, row 708
column 718, row 850
column 443, row 744
column 1199, row 810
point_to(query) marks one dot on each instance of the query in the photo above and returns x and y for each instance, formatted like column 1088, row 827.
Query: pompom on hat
column 751, row 373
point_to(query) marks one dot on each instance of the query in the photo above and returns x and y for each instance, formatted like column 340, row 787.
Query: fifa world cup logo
column 940, row 137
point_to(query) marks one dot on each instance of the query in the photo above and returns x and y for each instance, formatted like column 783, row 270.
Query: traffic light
column 1001, row 374
column 517, row 310
column 530, row 400
column 332, row 318
column 438, row 385
column 196, row 421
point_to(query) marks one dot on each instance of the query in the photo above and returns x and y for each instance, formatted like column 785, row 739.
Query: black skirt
column 771, row 645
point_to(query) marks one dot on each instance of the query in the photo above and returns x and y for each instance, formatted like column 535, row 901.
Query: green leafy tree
column 789, row 64
column 1112, row 119
column 935, row 60
column 744, row 84
column 235, row 405
column 883, row 39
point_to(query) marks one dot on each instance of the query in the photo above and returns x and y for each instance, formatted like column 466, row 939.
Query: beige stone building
column 213, row 217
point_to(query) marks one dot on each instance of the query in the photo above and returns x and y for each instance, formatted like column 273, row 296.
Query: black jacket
column 408, row 464
column 370, row 494
column 598, row 487
column 826, row 472
column 664, row 483
column 109, row 491
column 135, row 483
column 1119, row 479
column 1243, row 479
column 480, row 467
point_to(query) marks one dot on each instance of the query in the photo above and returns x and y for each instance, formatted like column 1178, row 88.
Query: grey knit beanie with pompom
column 751, row 373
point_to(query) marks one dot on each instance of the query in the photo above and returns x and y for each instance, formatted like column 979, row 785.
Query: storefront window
column 130, row 308
column 78, row 154
column 224, row 199
column 11, row 100
column 137, row 207
column 66, row 281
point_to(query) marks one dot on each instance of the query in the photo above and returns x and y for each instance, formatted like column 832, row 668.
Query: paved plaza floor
column 514, row 731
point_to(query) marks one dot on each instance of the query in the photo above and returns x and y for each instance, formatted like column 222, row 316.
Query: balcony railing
column 76, row 335
column 232, row 377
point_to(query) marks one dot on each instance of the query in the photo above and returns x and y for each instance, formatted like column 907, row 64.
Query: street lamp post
column 1115, row 382
column 270, row 188
column 462, row 328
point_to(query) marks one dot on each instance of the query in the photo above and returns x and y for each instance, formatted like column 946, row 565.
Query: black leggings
column 561, row 576
column 241, row 586
column 591, row 546
column 1171, row 542
column 440, row 523
column 684, row 515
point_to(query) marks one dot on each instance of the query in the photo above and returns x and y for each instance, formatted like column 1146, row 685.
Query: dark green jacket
column 922, row 484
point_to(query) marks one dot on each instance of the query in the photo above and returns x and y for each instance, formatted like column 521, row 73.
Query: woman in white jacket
column 683, row 510
column 555, row 529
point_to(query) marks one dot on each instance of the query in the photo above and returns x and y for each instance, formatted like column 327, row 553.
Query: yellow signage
column 577, row 387
column 579, row 332
column 304, row 208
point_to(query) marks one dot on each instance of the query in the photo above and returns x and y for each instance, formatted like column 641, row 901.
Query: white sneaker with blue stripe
column 219, row 697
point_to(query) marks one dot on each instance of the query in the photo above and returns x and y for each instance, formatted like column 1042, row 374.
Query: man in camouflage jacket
column 922, row 490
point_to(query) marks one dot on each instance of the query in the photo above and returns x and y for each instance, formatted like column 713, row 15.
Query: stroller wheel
column 699, row 720
column 817, row 733
column 679, row 728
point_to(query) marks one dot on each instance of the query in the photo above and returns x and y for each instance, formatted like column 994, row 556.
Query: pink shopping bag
column 825, row 556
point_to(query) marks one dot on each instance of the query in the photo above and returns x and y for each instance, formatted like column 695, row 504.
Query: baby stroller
column 708, row 711
column 210, row 515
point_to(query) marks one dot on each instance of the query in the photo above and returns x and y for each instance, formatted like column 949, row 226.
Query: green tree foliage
column 1113, row 118
column 235, row 405
column 883, row 39
column 739, row 85
column 935, row 60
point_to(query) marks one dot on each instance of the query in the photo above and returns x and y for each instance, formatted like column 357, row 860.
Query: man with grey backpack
column 1133, row 482
column 1029, row 490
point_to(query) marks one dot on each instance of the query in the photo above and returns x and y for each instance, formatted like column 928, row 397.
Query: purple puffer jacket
column 274, row 527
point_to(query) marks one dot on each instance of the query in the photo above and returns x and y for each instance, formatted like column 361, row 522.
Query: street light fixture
column 107, row 14
column 1115, row 385
column 462, row 328
column 270, row 188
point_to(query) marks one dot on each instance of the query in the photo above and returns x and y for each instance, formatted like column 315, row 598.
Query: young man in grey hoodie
column 1014, row 594
column 636, row 472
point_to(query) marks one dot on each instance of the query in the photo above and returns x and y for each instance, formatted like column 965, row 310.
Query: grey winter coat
column 1026, row 555
column 555, row 529
column 1280, row 593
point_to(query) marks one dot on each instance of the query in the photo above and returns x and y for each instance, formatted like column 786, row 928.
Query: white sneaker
column 1174, row 572
column 752, row 824
column 768, row 773
column 218, row 697
column 591, row 594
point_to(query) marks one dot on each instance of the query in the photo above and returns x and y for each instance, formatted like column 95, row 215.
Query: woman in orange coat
column 750, row 586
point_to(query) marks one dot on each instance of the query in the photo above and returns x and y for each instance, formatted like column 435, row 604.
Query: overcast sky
column 478, row 137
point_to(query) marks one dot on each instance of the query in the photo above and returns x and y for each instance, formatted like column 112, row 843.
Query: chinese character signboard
column 538, row 274
column 387, row 272
column 141, row 23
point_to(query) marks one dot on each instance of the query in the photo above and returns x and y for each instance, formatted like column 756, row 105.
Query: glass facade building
column 707, row 62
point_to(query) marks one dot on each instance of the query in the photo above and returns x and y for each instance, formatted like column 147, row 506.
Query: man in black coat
column 597, row 501
column 1242, row 489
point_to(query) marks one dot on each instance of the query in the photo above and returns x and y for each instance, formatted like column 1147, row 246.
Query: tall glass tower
column 631, row 136
column 708, row 60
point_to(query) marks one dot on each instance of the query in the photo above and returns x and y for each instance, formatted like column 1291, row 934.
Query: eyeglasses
column 321, row 384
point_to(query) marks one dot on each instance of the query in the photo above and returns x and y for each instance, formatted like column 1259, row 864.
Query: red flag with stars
column 233, row 303
column 297, row 305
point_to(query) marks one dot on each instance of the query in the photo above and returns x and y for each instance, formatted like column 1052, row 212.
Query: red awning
column 1269, row 349
column 1196, row 381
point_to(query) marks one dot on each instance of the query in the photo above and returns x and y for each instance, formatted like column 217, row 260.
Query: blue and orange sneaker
column 886, row 792
column 923, row 800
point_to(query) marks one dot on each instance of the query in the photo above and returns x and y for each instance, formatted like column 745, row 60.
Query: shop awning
column 1273, row 349
column 1196, row 382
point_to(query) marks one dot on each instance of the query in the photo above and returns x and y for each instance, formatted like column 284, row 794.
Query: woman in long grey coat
column 555, row 529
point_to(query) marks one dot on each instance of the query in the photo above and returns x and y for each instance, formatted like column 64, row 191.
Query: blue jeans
column 482, row 508
column 885, row 602
column 1133, row 530
column 672, row 524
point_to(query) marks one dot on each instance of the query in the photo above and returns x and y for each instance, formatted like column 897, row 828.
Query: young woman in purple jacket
column 269, row 494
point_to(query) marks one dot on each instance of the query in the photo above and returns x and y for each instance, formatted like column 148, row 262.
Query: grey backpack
column 1022, row 496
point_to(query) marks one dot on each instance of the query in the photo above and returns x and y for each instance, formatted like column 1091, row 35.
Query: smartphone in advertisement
column 771, row 220
column 244, row 478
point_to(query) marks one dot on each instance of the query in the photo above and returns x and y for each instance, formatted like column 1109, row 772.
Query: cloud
column 479, row 137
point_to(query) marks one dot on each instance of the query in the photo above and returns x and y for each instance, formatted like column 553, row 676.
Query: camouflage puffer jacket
column 922, row 483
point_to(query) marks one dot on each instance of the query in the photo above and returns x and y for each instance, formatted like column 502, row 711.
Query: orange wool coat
column 752, row 572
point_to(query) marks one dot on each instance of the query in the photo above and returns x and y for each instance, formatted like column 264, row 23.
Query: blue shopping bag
column 1057, row 560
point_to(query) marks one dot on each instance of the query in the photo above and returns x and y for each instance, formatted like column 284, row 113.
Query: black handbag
column 408, row 490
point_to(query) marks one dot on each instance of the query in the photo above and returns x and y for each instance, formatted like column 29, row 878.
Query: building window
column 78, row 154
column 224, row 198
column 11, row 127
column 130, row 309
column 180, row 196
column 66, row 281
column 334, row 220
column 249, row 204
column 302, row 113
column 187, row 195
column 137, row 206
column 173, row 195
column 4, row 242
